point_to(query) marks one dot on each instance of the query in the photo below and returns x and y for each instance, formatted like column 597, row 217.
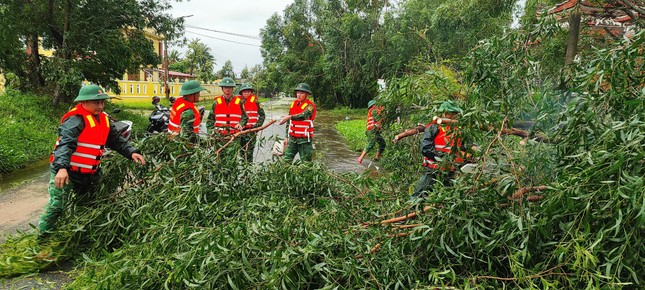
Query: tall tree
column 226, row 70
column 200, row 61
column 245, row 74
column 87, row 45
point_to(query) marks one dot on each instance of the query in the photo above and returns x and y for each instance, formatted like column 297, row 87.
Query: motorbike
column 123, row 126
column 158, row 118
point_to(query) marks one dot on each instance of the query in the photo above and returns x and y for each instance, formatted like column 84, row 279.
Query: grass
column 354, row 133
column 28, row 129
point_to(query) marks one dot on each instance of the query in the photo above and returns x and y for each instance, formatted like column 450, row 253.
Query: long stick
column 242, row 133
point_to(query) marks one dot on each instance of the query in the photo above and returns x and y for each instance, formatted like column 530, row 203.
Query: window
column 138, row 89
column 131, row 89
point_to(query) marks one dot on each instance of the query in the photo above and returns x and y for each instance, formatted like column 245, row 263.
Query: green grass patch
column 354, row 133
column 348, row 112
column 28, row 130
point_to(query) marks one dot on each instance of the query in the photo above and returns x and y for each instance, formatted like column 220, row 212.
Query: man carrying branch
column 84, row 133
column 441, row 149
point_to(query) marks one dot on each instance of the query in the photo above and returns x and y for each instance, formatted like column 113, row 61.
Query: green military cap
column 91, row 93
column 303, row 87
column 227, row 82
column 191, row 87
column 450, row 106
column 371, row 103
column 246, row 86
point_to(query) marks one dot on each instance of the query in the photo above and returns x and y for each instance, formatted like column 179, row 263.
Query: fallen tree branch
column 242, row 133
column 519, row 194
column 405, row 217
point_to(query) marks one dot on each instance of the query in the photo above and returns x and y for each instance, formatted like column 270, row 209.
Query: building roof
column 612, row 17
column 177, row 74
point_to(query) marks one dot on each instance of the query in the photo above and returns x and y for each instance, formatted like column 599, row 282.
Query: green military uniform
column 302, row 146
column 374, row 136
column 210, row 122
column 431, row 176
column 68, row 133
column 186, row 124
column 248, row 141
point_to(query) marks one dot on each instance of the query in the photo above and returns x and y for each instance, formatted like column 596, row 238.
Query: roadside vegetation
column 28, row 130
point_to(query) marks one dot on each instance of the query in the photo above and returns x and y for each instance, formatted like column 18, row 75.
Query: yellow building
column 148, row 82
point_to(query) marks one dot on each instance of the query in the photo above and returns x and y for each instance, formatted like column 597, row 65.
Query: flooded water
column 15, row 178
column 330, row 147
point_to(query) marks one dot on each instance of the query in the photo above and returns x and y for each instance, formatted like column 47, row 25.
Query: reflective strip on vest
column 89, row 145
column 80, row 165
column 86, row 155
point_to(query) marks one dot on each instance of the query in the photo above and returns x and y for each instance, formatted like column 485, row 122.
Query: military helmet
column 91, row 92
column 227, row 82
column 191, row 87
column 449, row 106
column 303, row 87
column 371, row 103
column 246, row 86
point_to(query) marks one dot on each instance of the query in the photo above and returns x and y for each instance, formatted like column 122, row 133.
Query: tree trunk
column 574, row 35
column 33, row 60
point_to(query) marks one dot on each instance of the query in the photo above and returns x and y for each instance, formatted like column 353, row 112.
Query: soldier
column 228, row 116
column 184, row 116
column 84, row 133
column 373, row 131
column 256, row 117
column 300, row 130
column 437, row 145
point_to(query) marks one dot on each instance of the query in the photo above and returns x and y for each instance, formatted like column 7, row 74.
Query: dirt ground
column 22, row 205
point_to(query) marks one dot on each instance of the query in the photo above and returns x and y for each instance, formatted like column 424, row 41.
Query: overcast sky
column 244, row 17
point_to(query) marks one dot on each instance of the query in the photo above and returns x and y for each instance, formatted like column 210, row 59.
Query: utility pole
column 165, row 68
column 165, row 60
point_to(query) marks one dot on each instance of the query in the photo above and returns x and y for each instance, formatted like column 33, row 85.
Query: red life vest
column 371, row 123
column 90, row 144
column 251, row 109
column 443, row 142
column 304, row 128
column 227, row 116
column 181, row 105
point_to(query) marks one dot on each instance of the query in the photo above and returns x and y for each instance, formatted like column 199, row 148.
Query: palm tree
column 199, row 57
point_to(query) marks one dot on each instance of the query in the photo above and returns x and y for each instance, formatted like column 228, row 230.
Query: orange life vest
column 251, row 109
column 90, row 144
column 371, row 123
column 304, row 128
column 227, row 116
column 178, row 108
column 443, row 142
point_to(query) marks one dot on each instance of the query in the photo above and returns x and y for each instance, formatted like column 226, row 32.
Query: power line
column 219, row 31
column 249, row 44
